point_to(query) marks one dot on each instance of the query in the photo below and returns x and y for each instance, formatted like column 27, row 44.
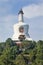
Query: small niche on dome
column 21, row 29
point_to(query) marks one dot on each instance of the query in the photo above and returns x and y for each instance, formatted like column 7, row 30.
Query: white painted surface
column 17, row 33
column 16, row 27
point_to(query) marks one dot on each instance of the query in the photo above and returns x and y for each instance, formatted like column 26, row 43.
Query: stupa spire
column 21, row 11
column 20, row 16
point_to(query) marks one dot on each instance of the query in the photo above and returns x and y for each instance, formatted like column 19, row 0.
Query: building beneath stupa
column 21, row 29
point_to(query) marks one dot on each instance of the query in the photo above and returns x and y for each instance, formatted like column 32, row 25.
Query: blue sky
column 33, row 15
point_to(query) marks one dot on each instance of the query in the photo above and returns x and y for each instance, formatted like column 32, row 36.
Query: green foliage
column 20, row 60
column 31, row 53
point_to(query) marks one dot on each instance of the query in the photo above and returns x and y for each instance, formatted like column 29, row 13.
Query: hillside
column 28, row 53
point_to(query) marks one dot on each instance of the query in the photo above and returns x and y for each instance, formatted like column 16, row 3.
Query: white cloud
column 6, row 26
column 9, row 18
column 33, row 10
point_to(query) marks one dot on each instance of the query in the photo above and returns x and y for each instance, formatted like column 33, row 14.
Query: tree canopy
column 29, row 53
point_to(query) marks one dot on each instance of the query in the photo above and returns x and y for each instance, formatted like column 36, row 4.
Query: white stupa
column 21, row 29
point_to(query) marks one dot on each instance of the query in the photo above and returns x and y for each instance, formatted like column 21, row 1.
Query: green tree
column 20, row 60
